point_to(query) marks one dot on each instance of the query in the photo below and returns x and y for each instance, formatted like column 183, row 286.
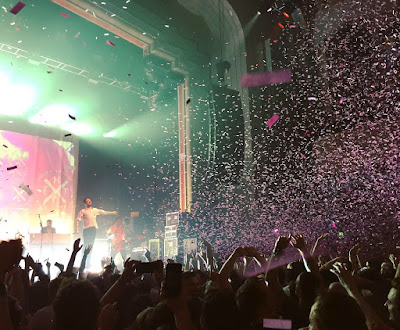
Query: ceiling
column 59, row 64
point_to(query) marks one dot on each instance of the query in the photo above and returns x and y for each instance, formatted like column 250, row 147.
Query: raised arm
column 100, row 211
column 75, row 251
column 316, row 244
column 310, row 263
column 113, row 293
column 374, row 322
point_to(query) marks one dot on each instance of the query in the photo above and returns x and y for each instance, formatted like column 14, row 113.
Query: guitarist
column 118, row 239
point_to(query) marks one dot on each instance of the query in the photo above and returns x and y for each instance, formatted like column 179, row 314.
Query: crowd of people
column 296, row 286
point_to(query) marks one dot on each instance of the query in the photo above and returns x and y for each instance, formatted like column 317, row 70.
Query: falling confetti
column 272, row 120
column 64, row 15
column 72, row 117
column 17, row 8
column 110, row 43
column 12, row 168
column 269, row 78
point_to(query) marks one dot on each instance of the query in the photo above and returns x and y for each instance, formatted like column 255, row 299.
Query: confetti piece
column 110, row 43
column 272, row 120
column 269, row 78
column 60, row 90
column 146, row 82
column 51, row 211
column 64, row 15
column 333, row 225
column 129, row 74
column 188, row 101
column 72, row 117
column 26, row 189
column 340, row 234
column 77, row 35
column 5, row 146
column 12, row 168
column 67, row 135
column 312, row 98
column 49, row 72
column 17, row 8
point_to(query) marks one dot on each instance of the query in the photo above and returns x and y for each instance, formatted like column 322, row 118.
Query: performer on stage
column 89, row 215
column 118, row 239
column 49, row 229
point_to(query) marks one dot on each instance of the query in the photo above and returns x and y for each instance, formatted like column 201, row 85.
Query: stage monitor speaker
column 154, row 248
column 229, row 135
column 189, row 246
column 170, row 248
column 172, row 219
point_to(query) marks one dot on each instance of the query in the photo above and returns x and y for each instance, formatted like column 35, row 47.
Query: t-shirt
column 88, row 215
column 118, row 237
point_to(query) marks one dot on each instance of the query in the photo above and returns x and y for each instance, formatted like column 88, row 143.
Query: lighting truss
column 91, row 77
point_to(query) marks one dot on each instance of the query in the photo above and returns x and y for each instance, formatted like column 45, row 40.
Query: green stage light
column 110, row 134
column 77, row 128
column 53, row 115
column 15, row 99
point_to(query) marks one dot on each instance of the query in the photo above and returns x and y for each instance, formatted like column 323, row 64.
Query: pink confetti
column 272, row 120
column 110, row 43
column 269, row 78
column 333, row 225
column 17, row 8
column 64, row 15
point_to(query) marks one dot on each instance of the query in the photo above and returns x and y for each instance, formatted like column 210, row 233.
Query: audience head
column 307, row 286
column 54, row 285
column 192, row 284
column 336, row 311
column 49, row 223
column 255, row 302
column 76, row 305
column 219, row 311
column 387, row 270
column 393, row 302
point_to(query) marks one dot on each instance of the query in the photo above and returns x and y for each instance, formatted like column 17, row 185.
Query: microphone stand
column 41, row 236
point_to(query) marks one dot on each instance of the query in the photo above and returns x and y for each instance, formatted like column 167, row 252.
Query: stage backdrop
column 37, row 176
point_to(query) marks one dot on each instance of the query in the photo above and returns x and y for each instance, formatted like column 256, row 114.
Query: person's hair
column 219, row 311
column 76, row 305
column 294, row 269
column 84, row 200
column 54, row 285
column 249, row 298
column 308, row 286
column 338, row 311
column 50, row 220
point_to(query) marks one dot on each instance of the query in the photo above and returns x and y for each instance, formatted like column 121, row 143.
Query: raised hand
column 298, row 242
column 323, row 236
column 29, row 261
column 48, row 264
column 394, row 260
column 345, row 276
column 77, row 248
column 115, row 212
column 129, row 270
column 59, row 266
column 281, row 244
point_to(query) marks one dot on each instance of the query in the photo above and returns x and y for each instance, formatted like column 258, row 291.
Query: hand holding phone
column 173, row 279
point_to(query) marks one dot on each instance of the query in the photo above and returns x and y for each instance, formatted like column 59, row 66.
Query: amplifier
column 170, row 247
column 172, row 219
column 50, row 238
